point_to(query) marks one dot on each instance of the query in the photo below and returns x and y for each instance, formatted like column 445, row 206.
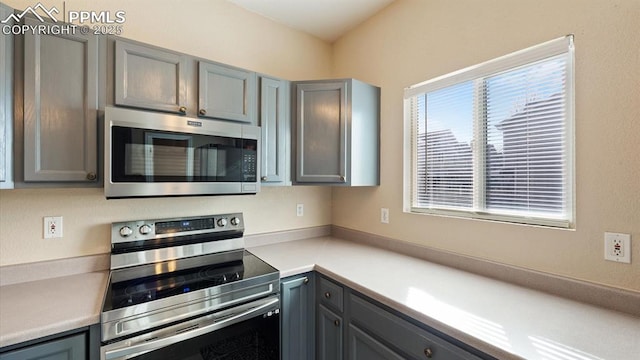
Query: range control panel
column 138, row 230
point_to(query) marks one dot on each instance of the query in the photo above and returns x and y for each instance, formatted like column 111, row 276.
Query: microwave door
column 211, row 163
column 168, row 155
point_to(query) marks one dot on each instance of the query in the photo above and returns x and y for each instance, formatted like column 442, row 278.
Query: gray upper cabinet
column 337, row 132
column 276, row 131
column 153, row 78
column 150, row 78
column 298, row 324
column 225, row 92
column 6, row 104
column 60, row 113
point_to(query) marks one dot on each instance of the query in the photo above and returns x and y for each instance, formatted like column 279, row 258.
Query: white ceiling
column 326, row 19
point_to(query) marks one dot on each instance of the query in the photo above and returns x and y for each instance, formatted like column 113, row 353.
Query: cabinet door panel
column 329, row 340
column 275, row 130
column 226, row 93
column 364, row 347
column 60, row 107
column 6, row 104
column 69, row 348
column 321, row 132
column 401, row 334
column 298, row 318
column 331, row 294
column 150, row 78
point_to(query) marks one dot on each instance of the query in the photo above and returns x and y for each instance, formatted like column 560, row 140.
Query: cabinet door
column 69, row 348
column 150, row 78
column 226, row 93
column 321, row 126
column 60, row 107
column 297, row 317
column 364, row 347
column 6, row 103
column 276, row 136
column 329, row 339
column 399, row 333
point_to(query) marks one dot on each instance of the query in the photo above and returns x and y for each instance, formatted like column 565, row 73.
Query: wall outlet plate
column 52, row 227
column 617, row 247
column 299, row 209
column 384, row 215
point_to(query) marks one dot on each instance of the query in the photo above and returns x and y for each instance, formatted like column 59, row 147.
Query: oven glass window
column 253, row 339
column 143, row 155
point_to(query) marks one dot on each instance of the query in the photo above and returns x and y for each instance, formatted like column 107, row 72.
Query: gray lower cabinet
column 225, row 92
column 353, row 327
column 330, row 334
column 330, row 313
column 337, row 132
column 67, row 348
column 60, row 92
column 373, row 329
column 297, row 317
column 151, row 78
column 364, row 347
column 275, row 122
column 6, row 103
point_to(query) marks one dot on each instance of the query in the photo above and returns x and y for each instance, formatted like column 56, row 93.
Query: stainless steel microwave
column 151, row 154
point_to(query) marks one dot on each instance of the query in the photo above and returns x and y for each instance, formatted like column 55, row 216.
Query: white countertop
column 500, row 319
column 34, row 309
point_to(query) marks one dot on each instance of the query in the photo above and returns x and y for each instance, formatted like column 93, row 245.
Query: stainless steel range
column 185, row 288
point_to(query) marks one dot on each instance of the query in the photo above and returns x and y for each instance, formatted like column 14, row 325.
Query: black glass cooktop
column 136, row 291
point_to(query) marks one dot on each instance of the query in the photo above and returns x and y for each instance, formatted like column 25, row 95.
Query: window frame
column 550, row 49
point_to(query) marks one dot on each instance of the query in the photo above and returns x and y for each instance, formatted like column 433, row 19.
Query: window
column 495, row 141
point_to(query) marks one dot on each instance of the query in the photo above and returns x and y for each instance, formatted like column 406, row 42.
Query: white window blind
column 494, row 141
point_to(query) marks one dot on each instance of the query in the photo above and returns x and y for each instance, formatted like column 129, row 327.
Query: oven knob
column 125, row 231
column 222, row 222
column 145, row 229
column 235, row 221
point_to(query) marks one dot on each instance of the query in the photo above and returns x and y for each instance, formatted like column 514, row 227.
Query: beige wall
column 410, row 41
column 215, row 30
column 415, row 40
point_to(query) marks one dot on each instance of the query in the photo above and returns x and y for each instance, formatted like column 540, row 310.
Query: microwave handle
column 127, row 350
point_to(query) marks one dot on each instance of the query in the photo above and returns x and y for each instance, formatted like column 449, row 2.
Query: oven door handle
column 129, row 348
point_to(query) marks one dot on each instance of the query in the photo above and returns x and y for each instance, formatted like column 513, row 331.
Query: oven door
column 248, row 331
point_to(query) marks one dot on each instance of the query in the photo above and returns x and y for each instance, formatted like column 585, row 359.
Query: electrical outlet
column 617, row 247
column 384, row 215
column 52, row 227
column 300, row 209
